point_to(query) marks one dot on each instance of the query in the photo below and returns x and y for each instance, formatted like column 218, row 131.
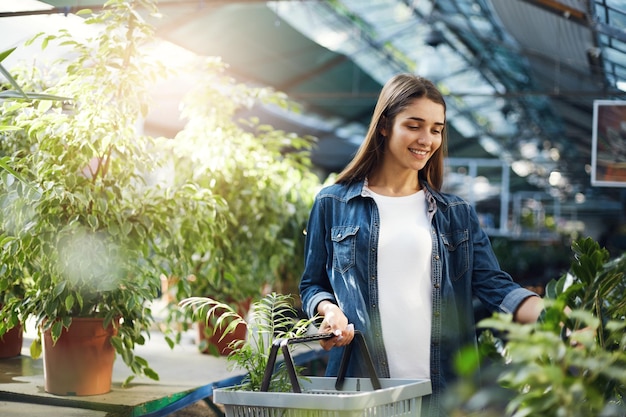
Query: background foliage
column 571, row 363
column 104, row 211
column 262, row 175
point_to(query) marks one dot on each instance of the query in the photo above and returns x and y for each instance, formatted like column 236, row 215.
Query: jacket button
column 437, row 257
column 437, row 285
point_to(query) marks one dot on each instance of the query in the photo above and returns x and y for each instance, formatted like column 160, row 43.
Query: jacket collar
column 359, row 188
column 430, row 192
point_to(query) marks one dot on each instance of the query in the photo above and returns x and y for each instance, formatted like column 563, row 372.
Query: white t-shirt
column 404, row 283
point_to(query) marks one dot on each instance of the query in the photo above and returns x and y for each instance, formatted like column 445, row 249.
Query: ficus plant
column 15, row 286
column 105, row 211
column 87, row 225
column 263, row 176
column 572, row 362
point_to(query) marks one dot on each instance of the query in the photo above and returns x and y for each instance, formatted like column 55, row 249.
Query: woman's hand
column 529, row 310
column 334, row 322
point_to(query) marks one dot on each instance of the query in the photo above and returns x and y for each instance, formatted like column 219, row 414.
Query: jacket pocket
column 457, row 246
column 344, row 247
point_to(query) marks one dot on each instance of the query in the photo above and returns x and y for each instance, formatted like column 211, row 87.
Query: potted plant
column 264, row 178
column 13, row 285
column 89, row 228
column 11, row 325
column 573, row 361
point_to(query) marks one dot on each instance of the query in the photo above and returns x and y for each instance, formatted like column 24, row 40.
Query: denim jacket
column 341, row 266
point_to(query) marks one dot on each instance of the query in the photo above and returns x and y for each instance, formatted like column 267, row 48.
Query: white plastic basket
column 319, row 398
column 326, row 397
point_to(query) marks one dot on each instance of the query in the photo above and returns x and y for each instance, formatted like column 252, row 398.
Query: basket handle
column 343, row 367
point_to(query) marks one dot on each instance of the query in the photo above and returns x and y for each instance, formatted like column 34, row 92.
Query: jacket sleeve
column 494, row 287
column 315, row 284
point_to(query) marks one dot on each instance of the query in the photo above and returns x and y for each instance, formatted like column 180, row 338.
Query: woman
column 389, row 255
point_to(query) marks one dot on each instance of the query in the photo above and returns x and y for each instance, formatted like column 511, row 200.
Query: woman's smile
column 418, row 152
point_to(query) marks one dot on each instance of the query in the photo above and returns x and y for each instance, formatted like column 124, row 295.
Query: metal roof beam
column 561, row 9
column 608, row 30
column 579, row 17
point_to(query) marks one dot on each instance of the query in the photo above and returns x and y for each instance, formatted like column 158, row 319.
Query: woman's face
column 416, row 134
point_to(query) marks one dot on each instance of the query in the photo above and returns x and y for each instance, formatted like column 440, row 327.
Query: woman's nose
column 424, row 139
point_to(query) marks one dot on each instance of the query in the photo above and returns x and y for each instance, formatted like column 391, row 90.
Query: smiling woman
column 415, row 258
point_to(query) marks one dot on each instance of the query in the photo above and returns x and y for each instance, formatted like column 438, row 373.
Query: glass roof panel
column 494, row 85
column 474, row 61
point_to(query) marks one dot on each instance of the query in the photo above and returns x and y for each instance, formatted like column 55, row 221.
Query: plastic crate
column 320, row 398
column 326, row 397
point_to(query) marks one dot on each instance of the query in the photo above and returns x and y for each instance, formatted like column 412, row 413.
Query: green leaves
column 595, row 283
column 36, row 348
column 102, row 211
column 18, row 92
column 78, row 232
column 272, row 317
column 573, row 362
column 589, row 260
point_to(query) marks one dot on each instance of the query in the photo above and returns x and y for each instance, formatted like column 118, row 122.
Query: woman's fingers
column 342, row 337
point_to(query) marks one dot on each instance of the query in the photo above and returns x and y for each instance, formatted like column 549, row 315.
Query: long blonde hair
column 398, row 93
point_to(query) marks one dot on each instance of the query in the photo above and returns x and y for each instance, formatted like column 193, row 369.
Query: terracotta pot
column 210, row 342
column 81, row 361
column 11, row 342
column 209, row 337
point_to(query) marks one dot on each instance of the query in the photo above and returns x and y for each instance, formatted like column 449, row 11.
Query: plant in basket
column 270, row 318
column 284, row 390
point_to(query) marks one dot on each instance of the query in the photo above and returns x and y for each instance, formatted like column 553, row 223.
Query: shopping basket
column 323, row 396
